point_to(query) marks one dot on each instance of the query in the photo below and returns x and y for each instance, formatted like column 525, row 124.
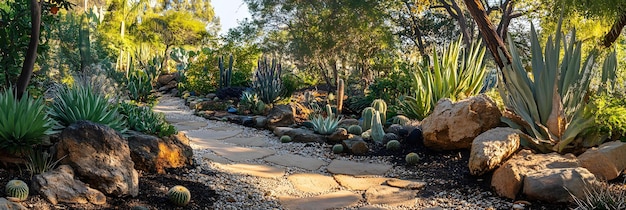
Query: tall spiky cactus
column 225, row 74
column 377, row 128
column 267, row 82
column 368, row 115
column 340, row 94
column 380, row 106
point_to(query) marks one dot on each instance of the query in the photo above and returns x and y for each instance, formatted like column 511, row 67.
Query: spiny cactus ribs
column 412, row 158
column 17, row 189
column 179, row 195
column 285, row 139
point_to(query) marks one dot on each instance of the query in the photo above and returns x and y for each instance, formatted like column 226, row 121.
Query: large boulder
column 280, row 116
column 100, row 157
column 302, row 135
column 166, row 78
column 555, row 185
column 492, row 147
column 612, row 155
column 455, row 125
column 59, row 186
column 153, row 154
column 507, row 180
column 10, row 205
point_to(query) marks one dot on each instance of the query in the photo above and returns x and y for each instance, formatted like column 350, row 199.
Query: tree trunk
column 492, row 39
column 31, row 52
column 615, row 31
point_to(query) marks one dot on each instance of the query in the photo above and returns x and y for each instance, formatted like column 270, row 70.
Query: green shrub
column 144, row 120
column 456, row 74
column 139, row 86
column 610, row 114
column 17, row 189
column 79, row 102
column 22, row 123
column 179, row 195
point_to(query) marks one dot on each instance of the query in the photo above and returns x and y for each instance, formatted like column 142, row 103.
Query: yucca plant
column 267, row 82
column 551, row 106
column 80, row 102
column 22, row 122
column 456, row 74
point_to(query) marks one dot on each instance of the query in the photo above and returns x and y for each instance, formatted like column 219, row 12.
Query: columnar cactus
column 401, row 120
column 377, row 128
column 329, row 110
column 412, row 158
column 17, row 189
column 340, row 94
column 380, row 106
column 355, row 129
column 179, row 195
column 393, row 145
column 225, row 74
column 368, row 115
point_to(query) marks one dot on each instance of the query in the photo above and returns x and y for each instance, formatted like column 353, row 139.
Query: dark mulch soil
column 447, row 171
column 152, row 193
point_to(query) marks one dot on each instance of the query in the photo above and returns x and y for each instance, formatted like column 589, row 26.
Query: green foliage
column 393, row 145
column 202, row 76
column 250, row 101
column 144, row 120
column 40, row 161
column 337, row 148
column 17, row 189
column 325, row 125
column 456, row 74
column 80, row 102
column 285, row 139
column 225, row 74
column 22, row 122
column 391, row 86
column 377, row 128
column 173, row 28
column 412, row 158
column 610, row 114
column 355, row 129
column 551, row 107
column 601, row 196
column 179, row 195
column 267, row 82
column 139, row 86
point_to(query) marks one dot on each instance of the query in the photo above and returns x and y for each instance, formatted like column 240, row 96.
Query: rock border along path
column 253, row 170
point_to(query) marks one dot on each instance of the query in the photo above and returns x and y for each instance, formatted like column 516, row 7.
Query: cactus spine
column 225, row 74
column 393, row 145
column 17, row 189
column 355, row 129
column 340, row 94
column 368, row 114
column 337, row 148
column 381, row 106
column 412, row 158
column 377, row 128
column 179, row 195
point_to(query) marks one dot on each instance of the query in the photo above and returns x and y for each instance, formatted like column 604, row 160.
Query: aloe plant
column 267, row 82
column 325, row 125
column 456, row 74
column 550, row 107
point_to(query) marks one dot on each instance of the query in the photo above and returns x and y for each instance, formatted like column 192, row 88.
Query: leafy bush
column 80, row 102
column 610, row 114
column 458, row 74
column 22, row 122
column 139, row 86
column 551, row 107
column 144, row 120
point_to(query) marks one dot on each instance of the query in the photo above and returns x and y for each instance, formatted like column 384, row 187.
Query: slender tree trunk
column 164, row 62
column 31, row 52
column 615, row 31
column 492, row 39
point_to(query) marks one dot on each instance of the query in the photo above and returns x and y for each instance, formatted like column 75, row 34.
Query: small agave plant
column 326, row 125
